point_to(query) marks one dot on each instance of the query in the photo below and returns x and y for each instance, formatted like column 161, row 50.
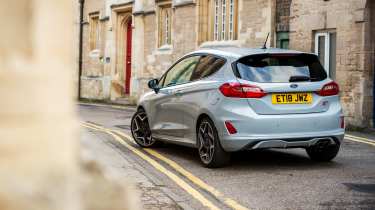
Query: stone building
column 127, row 42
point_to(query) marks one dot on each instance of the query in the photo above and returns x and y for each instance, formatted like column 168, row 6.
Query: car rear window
column 280, row 68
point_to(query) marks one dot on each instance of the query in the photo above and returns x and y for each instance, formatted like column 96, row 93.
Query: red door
column 128, row 56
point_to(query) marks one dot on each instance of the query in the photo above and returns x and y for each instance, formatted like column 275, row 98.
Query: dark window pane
column 322, row 49
column 282, row 40
column 280, row 68
column 284, row 44
column 207, row 66
column 332, row 56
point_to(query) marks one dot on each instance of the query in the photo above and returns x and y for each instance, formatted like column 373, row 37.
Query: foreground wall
column 40, row 168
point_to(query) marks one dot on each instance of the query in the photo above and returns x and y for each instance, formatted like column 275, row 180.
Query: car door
column 167, row 121
column 195, row 95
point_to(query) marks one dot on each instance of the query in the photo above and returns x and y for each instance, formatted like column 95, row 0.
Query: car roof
column 239, row 52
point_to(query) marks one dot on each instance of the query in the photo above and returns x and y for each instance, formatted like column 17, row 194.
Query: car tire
column 210, row 151
column 323, row 152
column 141, row 131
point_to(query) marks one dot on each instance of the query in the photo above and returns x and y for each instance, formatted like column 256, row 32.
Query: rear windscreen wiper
column 299, row 79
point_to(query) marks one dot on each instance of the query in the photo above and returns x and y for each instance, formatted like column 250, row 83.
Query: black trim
column 104, row 18
column 144, row 13
column 80, row 45
column 191, row 3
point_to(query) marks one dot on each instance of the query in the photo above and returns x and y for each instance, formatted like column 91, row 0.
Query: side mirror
column 153, row 84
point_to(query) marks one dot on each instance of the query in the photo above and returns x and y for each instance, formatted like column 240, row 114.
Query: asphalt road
column 269, row 179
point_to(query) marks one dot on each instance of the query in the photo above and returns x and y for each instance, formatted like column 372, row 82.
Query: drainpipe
column 81, row 7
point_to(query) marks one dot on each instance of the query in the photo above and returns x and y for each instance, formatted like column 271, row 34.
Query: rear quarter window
column 280, row 68
column 207, row 66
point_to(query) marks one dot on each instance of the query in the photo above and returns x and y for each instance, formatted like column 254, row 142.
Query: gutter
column 81, row 8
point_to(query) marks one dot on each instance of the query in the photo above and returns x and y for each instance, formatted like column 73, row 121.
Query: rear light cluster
column 238, row 90
column 329, row 89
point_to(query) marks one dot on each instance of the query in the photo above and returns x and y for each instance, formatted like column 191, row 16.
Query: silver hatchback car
column 230, row 99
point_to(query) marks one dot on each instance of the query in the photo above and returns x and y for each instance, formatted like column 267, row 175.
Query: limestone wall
column 256, row 20
column 348, row 19
column 94, row 80
column 104, row 79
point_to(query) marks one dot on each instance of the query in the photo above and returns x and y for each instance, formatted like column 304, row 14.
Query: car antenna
column 265, row 43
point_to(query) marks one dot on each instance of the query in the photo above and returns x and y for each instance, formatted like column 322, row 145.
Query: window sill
column 165, row 49
column 226, row 43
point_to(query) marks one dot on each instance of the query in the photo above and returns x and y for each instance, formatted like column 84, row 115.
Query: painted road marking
column 200, row 183
column 107, row 106
column 360, row 139
column 180, row 182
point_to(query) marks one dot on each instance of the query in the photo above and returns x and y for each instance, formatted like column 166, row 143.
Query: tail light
column 238, row 90
column 230, row 127
column 329, row 89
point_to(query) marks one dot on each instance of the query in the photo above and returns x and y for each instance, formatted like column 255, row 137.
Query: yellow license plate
column 292, row 98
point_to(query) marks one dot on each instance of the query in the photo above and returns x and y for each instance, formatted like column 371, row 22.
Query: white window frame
column 166, row 27
column 223, row 19
column 231, row 19
column 216, row 20
column 327, row 40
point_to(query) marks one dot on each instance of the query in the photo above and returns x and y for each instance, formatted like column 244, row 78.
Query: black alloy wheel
column 210, row 150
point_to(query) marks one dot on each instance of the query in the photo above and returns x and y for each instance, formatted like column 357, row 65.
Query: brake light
column 238, row 90
column 230, row 127
column 329, row 89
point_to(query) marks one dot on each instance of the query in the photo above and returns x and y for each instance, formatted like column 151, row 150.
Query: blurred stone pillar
column 38, row 128
column 40, row 168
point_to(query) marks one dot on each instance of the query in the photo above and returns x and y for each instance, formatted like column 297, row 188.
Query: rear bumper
column 281, row 131
column 261, row 142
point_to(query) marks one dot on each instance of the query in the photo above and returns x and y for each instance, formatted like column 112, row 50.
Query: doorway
column 128, row 55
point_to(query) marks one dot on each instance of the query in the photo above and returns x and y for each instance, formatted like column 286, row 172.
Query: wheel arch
column 201, row 116
column 140, row 107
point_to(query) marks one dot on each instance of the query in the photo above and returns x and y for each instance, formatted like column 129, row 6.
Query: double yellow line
column 126, row 140
column 360, row 139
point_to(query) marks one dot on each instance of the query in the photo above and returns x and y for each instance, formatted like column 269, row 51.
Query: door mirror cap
column 153, row 84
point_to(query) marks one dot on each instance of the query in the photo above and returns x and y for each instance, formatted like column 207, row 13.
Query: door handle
column 178, row 93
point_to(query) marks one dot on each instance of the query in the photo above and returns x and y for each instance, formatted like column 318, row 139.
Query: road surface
column 270, row 179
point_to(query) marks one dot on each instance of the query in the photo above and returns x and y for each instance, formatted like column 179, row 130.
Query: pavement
column 110, row 156
column 171, row 177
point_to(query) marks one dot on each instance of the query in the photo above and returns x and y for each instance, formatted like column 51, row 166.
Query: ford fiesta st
column 230, row 99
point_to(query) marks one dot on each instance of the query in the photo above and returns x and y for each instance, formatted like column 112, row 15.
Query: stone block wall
column 255, row 22
column 350, row 19
column 149, row 60
column 346, row 18
column 93, row 81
